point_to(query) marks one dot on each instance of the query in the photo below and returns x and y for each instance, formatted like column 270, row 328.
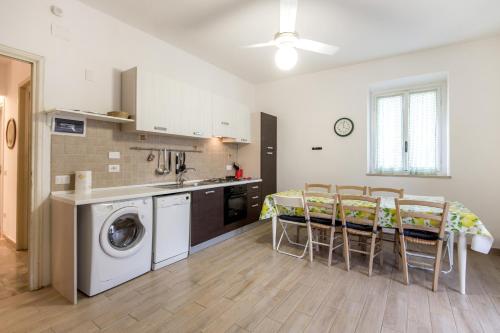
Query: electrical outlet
column 114, row 168
column 229, row 167
column 114, row 155
column 62, row 180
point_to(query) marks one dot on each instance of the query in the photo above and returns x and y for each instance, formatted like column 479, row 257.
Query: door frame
column 38, row 225
column 2, row 112
column 23, row 162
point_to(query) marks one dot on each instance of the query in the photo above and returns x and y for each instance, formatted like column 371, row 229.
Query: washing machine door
column 122, row 234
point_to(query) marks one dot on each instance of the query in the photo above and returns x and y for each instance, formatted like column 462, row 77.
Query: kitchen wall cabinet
column 268, row 151
column 207, row 214
column 165, row 106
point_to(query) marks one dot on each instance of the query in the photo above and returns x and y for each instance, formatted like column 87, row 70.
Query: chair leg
column 381, row 254
column 309, row 234
column 437, row 265
column 346, row 249
column 330, row 248
column 298, row 234
column 372, row 252
column 404, row 259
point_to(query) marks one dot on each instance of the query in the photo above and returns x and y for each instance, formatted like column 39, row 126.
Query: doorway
column 15, row 174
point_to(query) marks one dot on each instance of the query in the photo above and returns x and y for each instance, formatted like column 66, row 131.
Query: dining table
column 461, row 222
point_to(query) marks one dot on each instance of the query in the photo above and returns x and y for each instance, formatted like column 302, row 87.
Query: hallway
column 13, row 270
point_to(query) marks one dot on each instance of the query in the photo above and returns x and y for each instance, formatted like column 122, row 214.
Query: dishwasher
column 171, row 225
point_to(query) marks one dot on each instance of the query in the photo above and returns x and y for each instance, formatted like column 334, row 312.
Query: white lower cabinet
column 165, row 106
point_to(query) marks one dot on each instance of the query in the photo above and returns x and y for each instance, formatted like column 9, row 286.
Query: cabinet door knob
column 159, row 128
column 196, row 133
column 256, row 197
column 270, row 148
column 255, row 187
column 209, row 192
column 256, row 205
column 269, row 153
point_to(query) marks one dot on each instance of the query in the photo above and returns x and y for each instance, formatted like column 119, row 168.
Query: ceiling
column 215, row 30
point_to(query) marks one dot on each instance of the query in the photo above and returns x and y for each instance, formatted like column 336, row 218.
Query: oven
column 235, row 204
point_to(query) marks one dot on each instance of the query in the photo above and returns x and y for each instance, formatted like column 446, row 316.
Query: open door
column 24, row 166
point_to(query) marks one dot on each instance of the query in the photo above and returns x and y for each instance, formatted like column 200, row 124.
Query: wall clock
column 11, row 133
column 343, row 127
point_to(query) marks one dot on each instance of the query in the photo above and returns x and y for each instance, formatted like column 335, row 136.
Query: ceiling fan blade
column 270, row 43
column 318, row 47
column 288, row 15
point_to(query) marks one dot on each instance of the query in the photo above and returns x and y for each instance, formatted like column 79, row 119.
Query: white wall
column 16, row 74
column 95, row 41
column 307, row 107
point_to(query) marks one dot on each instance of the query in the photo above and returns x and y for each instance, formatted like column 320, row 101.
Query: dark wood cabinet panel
column 268, row 153
column 254, row 202
column 207, row 214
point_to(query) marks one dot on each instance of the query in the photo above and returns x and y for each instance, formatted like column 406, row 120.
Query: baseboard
column 223, row 237
column 9, row 241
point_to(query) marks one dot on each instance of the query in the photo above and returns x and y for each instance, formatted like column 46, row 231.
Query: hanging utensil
column 160, row 170
column 151, row 156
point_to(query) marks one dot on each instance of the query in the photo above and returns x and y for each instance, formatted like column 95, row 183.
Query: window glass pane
column 423, row 135
column 389, row 122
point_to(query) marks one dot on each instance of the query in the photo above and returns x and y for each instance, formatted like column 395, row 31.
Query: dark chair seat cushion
column 421, row 234
column 323, row 221
column 361, row 227
column 293, row 218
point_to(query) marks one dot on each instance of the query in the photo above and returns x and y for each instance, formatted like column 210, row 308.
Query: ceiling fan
column 287, row 39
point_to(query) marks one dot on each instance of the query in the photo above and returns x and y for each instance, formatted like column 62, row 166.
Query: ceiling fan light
column 286, row 58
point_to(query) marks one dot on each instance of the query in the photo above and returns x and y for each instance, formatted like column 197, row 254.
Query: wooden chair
column 323, row 222
column 383, row 191
column 361, row 221
column 388, row 192
column 361, row 190
column 422, row 234
column 315, row 187
column 280, row 203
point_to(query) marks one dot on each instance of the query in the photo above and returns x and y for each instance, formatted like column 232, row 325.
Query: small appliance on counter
column 83, row 182
column 238, row 174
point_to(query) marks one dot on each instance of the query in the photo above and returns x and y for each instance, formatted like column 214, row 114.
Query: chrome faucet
column 180, row 175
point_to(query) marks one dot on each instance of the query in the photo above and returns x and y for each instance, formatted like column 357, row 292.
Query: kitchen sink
column 174, row 186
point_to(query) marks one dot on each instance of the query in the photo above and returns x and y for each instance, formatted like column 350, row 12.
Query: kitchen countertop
column 135, row 191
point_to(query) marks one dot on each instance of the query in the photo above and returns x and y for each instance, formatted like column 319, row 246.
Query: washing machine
column 114, row 243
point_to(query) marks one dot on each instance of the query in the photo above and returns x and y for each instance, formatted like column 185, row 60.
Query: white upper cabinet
column 162, row 105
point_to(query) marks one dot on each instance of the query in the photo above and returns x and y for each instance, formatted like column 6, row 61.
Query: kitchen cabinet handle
column 256, row 197
column 224, row 123
column 255, row 187
column 243, row 140
column 270, row 148
column 159, row 128
column 269, row 153
column 256, row 205
column 209, row 192
column 196, row 133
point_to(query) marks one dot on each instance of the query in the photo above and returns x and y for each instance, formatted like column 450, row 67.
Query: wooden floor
column 242, row 285
column 13, row 270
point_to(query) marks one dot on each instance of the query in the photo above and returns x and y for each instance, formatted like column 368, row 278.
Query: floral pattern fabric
column 460, row 219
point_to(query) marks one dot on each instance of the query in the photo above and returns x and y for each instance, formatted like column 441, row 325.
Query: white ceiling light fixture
column 287, row 40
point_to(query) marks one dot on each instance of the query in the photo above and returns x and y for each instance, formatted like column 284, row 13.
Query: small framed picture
column 69, row 126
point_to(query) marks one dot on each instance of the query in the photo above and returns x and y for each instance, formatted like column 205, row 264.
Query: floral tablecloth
column 460, row 219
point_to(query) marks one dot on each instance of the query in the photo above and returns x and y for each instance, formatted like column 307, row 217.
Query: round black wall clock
column 343, row 127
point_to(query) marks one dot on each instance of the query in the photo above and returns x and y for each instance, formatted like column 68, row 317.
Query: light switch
column 89, row 75
column 229, row 167
column 114, row 155
column 62, row 180
column 114, row 168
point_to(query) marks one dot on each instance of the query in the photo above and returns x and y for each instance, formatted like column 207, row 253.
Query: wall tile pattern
column 70, row 154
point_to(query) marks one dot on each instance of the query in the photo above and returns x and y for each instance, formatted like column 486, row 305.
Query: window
column 409, row 131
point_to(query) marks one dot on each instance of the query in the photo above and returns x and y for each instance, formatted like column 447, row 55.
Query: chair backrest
column 350, row 189
column 383, row 191
column 359, row 209
column 281, row 202
column 315, row 187
column 327, row 209
column 435, row 213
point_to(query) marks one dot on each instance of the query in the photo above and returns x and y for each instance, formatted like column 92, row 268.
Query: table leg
column 275, row 222
column 462, row 260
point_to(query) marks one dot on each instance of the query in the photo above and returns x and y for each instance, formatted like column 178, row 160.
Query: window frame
column 443, row 127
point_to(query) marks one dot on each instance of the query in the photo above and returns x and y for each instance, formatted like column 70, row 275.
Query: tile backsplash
column 70, row 154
